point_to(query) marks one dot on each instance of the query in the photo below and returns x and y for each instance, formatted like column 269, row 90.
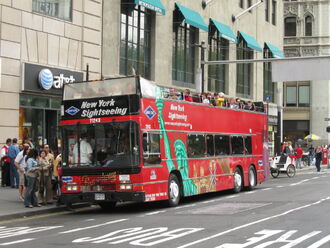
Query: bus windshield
column 101, row 145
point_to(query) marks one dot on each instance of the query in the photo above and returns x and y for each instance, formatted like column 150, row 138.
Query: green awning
column 192, row 18
column 274, row 50
column 224, row 31
column 155, row 5
column 250, row 41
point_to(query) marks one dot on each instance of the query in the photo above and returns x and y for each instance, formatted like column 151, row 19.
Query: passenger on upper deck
column 249, row 106
column 172, row 94
column 187, row 96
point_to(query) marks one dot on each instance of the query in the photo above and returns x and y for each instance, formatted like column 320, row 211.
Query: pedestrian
column 5, row 161
column 20, row 164
column 13, row 150
column 311, row 153
column 45, row 185
column 56, row 185
column 318, row 158
column 32, row 167
column 299, row 153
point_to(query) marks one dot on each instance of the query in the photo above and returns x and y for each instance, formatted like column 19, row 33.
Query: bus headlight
column 72, row 187
column 125, row 186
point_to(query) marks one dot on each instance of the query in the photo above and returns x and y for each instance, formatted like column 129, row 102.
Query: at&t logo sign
column 47, row 80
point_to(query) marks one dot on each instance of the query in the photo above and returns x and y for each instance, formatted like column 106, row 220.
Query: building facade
column 306, row 104
column 162, row 40
column 43, row 45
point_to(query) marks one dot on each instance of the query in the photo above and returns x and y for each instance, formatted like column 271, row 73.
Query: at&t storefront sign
column 48, row 80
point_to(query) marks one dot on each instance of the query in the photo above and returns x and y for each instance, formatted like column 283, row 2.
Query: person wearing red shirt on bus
column 299, row 153
column 187, row 96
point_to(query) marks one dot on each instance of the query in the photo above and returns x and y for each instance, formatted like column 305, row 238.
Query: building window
column 274, row 10
column 290, row 26
column 308, row 26
column 267, row 10
column 303, row 96
column 269, row 86
column 241, row 3
column 244, row 71
column 183, row 60
column 249, row 4
column 135, row 40
column 218, row 50
column 297, row 95
column 61, row 9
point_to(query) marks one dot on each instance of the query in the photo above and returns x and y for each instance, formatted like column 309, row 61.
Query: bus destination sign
column 101, row 107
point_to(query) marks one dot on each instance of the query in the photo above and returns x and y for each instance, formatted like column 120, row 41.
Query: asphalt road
column 284, row 212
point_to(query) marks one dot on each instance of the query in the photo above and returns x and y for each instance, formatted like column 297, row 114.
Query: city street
column 282, row 212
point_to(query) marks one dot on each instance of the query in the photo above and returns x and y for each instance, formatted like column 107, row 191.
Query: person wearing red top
column 187, row 96
column 299, row 153
column 5, row 163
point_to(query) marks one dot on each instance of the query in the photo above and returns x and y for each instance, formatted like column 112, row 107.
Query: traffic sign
column 267, row 98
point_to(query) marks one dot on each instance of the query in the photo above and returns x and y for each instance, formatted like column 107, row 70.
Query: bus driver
column 86, row 151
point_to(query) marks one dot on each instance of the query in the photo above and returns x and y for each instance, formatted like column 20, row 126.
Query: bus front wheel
column 173, row 191
column 238, row 180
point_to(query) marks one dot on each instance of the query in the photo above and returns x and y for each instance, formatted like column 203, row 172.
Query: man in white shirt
column 86, row 151
column 20, row 164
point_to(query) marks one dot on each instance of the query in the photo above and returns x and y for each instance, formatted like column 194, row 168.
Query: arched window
column 308, row 26
column 290, row 26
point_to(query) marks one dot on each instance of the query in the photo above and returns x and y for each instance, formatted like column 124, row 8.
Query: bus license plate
column 99, row 197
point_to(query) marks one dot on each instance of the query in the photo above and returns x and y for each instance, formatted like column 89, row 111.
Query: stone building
column 160, row 40
column 62, row 36
column 306, row 104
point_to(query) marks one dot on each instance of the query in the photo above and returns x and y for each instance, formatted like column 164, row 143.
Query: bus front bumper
column 95, row 197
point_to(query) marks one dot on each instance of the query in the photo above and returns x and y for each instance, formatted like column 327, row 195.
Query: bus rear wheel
column 173, row 191
column 107, row 205
column 252, row 178
column 238, row 180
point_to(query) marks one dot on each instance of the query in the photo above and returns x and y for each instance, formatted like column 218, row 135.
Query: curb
column 42, row 211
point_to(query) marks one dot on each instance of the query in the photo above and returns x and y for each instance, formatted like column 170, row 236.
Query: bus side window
column 237, row 145
column 196, row 145
column 210, row 145
column 221, row 143
column 248, row 144
column 151, row 148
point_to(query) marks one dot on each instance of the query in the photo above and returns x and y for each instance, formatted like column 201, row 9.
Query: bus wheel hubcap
column 238, row 179
column 252, row 178
column 174, row 190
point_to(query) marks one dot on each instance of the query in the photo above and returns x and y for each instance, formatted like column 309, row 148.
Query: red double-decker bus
column 124, row 141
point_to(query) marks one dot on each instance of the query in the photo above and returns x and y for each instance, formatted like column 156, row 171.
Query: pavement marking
column 266, row 189
column 250, row 192
column 254, row 222
column 204, row 202
column 231, row 196
column 280, row 186
column 94, row 226
column 320, row 242
column 17, row 242
column 156, row 212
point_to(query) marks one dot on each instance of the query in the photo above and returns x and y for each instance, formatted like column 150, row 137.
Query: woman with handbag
column 45, row 179
column 32, row 167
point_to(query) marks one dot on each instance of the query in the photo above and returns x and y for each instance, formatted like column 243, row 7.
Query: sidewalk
column 12, row 207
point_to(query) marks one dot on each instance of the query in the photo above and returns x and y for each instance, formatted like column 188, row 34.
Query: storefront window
column 38, row 120
column 61, row 9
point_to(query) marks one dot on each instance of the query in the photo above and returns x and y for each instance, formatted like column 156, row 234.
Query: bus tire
column 252, row 178
column 107, row 205
column 173, row 191
column 238, row 180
